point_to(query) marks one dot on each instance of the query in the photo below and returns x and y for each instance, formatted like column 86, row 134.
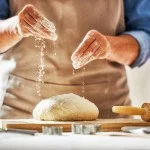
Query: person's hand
column 31, row 22
column 94, row 46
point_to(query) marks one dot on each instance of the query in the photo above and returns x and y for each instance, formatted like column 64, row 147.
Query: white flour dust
column 41, row 45
column 54, row 47
column 49, row 25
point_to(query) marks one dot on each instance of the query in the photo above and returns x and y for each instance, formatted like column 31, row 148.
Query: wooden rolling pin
column 144, row 111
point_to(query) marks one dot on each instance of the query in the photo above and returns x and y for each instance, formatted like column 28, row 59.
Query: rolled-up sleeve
column 137, row 17
column 4, row 9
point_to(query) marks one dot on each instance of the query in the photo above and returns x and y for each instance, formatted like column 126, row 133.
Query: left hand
column 94, row 46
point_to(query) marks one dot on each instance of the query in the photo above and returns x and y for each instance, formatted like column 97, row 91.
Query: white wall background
column 6, row 66
column 139, row 84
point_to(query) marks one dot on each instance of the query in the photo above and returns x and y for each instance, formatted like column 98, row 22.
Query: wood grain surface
column 106, row 124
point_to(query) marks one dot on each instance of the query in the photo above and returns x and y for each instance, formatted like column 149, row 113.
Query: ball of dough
column 66, row 107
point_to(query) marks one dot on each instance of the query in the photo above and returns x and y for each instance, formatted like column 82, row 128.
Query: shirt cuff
column 143, row 39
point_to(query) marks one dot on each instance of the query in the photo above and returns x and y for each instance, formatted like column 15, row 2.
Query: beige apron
column 105, row 81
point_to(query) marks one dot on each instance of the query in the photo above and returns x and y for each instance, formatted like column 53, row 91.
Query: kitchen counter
column 69, row 141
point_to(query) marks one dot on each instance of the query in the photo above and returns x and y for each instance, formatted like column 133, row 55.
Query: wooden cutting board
column 106, row 124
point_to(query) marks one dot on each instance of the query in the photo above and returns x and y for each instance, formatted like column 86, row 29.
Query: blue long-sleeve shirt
column 137, row 19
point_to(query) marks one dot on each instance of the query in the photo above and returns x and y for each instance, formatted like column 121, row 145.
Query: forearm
column 125, row 49
column 8, row 34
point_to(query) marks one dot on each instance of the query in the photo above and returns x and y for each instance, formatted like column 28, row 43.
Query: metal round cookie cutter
column 52, row 130
column 85, row 128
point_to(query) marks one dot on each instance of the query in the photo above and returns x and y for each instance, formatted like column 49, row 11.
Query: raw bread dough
column 66, row 107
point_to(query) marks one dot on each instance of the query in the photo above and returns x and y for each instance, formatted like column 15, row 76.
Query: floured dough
column 66, row 107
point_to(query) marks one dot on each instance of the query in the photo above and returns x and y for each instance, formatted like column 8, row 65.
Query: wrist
column 124, row 49
column 109, row 48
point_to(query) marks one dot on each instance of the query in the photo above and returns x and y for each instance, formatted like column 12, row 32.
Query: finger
column 87, row 41
column 36, row 34
column 26, row 32
column 104, row 48
column 88, row 58
column 78, row 65
column 47, row 24
column 90, row 51
column 33, row 11
column 22, row 28
column 100, row 53
column 31, row 30
column 36, row 26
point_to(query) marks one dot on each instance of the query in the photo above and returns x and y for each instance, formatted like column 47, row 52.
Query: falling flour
column 41, row 45
column 54, row 47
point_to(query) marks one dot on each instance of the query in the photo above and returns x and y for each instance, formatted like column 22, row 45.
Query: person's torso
column 104, row 80
column 73, row 19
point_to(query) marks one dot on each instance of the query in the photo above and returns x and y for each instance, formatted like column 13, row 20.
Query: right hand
column 31, row 22
column 94, row 46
